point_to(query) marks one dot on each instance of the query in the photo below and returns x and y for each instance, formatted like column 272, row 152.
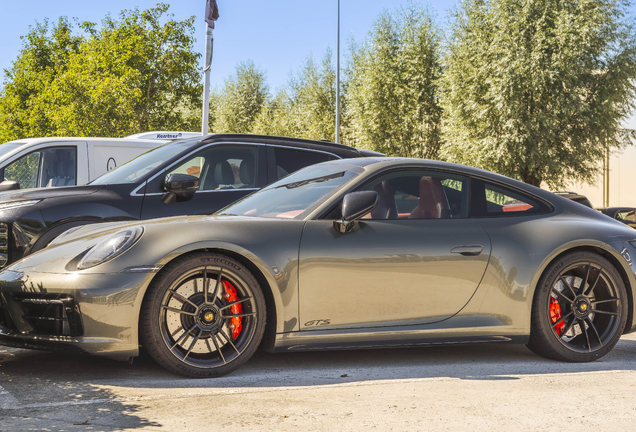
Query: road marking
column 7, row 401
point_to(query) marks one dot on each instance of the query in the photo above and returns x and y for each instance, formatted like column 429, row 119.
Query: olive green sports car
column 360, row 253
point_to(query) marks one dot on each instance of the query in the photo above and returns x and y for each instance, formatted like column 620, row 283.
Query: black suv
column 189, row 177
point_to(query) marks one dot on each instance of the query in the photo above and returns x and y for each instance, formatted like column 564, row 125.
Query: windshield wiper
column 310, row 181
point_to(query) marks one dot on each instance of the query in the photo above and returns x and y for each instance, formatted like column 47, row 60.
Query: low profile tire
column 579, row 309
column 203, row 316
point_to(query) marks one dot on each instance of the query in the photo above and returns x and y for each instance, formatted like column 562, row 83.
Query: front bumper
column 94, row 313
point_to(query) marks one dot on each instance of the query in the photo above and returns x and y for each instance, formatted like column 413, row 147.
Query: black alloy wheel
column 579, row 309
column 203, row 316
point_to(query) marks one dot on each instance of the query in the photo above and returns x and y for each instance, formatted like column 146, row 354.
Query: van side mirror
column 179, row 187
column 8, row 185
column 354, row 206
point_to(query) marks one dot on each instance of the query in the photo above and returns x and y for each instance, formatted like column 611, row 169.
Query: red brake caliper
column 555, row 315
column 237, row 309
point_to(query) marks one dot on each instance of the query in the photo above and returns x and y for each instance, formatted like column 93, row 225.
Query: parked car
column 226, row 167
column 626, row 215
column 356, row 253
column 573, row 196
column 53, row 162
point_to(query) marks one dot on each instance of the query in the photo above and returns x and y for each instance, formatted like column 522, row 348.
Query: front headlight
column 110, row 247
column 16, row 204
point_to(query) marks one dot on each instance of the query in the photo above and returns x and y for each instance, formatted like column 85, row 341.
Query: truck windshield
column 144, row 164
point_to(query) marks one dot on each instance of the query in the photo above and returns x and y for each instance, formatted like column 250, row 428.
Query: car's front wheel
column 579, row 309
column 203, row 316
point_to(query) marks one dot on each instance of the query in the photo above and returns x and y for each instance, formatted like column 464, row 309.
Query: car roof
column 327, row 146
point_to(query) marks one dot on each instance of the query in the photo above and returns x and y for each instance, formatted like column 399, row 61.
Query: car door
column 226, row 172
column 415, row 259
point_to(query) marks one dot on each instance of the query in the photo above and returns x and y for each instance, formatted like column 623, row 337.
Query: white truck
column 52, row 162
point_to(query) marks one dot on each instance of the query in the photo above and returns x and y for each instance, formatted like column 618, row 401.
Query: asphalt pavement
column 446, row 388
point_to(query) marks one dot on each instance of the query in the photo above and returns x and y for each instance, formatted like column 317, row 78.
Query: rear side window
column 290, row 160
column 629, row 216
column 494, row 200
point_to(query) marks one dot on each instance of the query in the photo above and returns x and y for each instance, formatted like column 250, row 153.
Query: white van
column 50, row 162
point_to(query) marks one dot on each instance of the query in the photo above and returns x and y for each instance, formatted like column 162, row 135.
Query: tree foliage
column 392, row 100
column 25, row 105
column 244, row 94
column 305, row 107
column 537, row 89
column 132, row 74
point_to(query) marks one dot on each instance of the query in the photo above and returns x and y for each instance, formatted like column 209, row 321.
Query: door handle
column 468, row 250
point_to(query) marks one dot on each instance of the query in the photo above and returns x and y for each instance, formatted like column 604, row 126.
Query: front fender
column 280, row 273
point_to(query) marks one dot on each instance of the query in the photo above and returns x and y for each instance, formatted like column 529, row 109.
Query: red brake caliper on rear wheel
column 237, row 309
column 555, row 315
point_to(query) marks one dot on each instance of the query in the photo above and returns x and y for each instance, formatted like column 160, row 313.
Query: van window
column 24, row 171
column 49, row 167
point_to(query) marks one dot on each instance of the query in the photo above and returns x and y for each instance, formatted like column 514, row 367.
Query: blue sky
column 277, row 35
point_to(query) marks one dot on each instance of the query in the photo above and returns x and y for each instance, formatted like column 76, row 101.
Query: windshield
column 296, row 195
column 143, row 164
column 10, row 146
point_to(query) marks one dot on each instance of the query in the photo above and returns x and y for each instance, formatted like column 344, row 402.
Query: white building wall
column 622, row 191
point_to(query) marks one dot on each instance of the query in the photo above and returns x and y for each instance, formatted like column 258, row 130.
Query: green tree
column 240, row 101
column 537, row 89
column 392, row 96
column 305, row 107
column 132, row 74
column 24, row 104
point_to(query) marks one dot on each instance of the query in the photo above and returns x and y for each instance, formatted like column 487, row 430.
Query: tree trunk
column 531, row 179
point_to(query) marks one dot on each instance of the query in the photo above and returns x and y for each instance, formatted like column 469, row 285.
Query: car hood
column 165, row 237
column 43, row 193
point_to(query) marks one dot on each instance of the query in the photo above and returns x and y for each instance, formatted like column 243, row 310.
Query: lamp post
column 338, row 80
column 211, row 15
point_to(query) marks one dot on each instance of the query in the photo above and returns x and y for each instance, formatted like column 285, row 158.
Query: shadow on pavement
column 70, row 392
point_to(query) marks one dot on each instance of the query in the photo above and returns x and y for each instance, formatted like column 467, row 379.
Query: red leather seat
column 433, row 203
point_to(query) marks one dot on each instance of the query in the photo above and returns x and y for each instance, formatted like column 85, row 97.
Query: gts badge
column 315, row 323
column 627, row 256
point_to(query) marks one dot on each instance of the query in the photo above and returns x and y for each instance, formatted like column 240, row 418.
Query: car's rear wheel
column 579, row 309
column 203, row 316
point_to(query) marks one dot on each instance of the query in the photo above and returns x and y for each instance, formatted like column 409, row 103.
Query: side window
column 290, row 160
column 24, row 171
column 420, row 195
column 222, row 167
column 50, row 167
column 494, row 200
column 59, row 166
column 629, row 216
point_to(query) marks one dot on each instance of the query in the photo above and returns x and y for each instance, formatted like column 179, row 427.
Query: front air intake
column 51, row 315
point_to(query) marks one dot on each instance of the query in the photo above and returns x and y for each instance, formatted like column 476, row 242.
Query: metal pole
column 338, row 80
column 607, row 177
column 209, row 40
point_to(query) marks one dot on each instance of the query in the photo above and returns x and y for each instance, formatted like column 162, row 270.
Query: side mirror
column 180, row 187
column 354, row 206
column 8, row 185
